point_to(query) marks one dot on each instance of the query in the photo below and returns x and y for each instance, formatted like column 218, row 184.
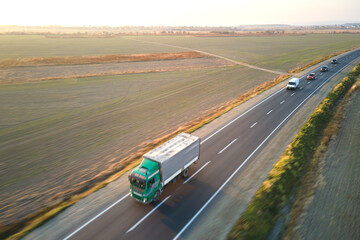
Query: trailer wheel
column 156, row 196
column 185, row 173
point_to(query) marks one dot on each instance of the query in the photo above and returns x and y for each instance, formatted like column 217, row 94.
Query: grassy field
column 280, row 53
column 84, row 125
column 23, row 46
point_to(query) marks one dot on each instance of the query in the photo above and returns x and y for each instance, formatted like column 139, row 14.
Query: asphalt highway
column 223, row 155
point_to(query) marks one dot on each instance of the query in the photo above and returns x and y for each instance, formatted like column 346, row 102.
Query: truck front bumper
column 139, row 198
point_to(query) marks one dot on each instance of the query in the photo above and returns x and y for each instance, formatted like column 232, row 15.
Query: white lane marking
column 231, row 176
column 241, row 115
column 301, row 88
column 133, row 227
column 88, row 222
column 282, row 101
column 196, row 172
column 227, row 146
column 292, row 94
column 253, row 125
column 269, row 112
column 308, row 82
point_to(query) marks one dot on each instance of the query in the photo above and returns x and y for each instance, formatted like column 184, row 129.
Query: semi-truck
column 163, row 164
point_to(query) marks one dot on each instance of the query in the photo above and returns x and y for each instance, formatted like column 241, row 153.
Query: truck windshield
column 137, row 182
column 291, row 83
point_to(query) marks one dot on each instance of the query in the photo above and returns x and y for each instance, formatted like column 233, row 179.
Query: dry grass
column 42, row 61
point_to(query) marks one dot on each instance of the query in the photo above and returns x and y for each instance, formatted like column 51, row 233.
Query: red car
column 311, row 76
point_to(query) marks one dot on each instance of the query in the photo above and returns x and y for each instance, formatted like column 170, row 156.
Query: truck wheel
column 156, row 196
column 185, row 173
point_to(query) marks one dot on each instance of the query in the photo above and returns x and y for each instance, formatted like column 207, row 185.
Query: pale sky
column 177, row 13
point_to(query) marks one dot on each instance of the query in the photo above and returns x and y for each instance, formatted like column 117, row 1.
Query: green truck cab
column 145, row 181
column 163, row 164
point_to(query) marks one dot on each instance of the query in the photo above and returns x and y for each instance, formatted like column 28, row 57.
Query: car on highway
column 324, row 69
column 334, row 61
column 293, row 83
column 311, row 76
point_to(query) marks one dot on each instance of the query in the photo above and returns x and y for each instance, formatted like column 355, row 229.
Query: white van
column 293, row 83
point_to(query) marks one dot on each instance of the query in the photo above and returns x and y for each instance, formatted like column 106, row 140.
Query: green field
column 56, row 134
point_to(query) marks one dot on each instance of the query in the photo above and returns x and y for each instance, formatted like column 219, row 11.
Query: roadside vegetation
column 263, row 210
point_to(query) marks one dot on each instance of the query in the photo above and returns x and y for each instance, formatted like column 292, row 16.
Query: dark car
column 324, row 69
column 334, row 61
column 311, row 76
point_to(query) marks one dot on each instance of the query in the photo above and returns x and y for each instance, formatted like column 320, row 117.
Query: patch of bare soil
column 39, row 73
column 329, row 208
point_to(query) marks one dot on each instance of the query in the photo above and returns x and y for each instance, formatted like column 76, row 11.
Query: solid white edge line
column 269, row 112
column 88, row 222
column 282, row 89
column 227, row 146
column 196, row 172
column 253, row 125
column 223, row 185
column 133, row 227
